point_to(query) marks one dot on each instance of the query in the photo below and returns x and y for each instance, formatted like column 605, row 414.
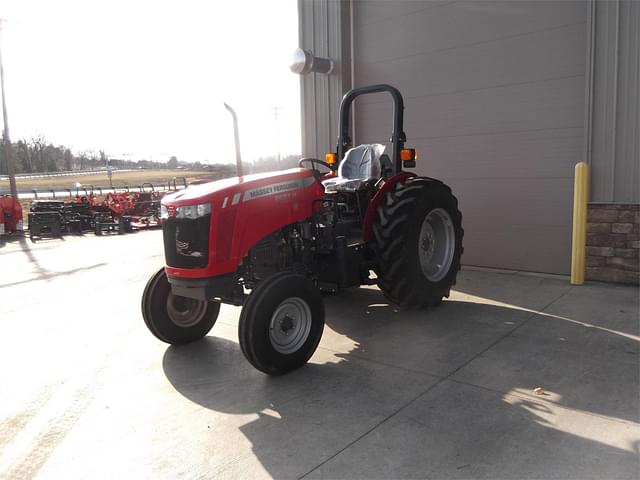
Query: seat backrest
column 361, row 162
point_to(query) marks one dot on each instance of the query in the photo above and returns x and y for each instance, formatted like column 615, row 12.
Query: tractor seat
column 360, row 164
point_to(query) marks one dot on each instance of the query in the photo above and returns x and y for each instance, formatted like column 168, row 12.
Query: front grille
column 186, row 241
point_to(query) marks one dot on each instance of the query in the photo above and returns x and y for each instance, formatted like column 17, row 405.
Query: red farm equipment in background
column 142, row 208
column 10, row 215
column 120, row 212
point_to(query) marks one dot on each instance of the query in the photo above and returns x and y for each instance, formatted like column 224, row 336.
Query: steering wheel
column 313, row 162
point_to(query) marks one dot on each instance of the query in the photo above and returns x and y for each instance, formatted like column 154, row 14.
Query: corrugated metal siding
column 324, row 30
column 494, row 95
column 615, row 136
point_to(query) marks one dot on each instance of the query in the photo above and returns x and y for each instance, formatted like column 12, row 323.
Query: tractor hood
column 223, row 220
column 248, row 186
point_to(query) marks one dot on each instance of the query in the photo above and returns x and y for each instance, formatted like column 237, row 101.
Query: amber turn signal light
column 408, row 154
column 330, row 158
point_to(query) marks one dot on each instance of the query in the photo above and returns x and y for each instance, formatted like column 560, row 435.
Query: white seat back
column 361, row 162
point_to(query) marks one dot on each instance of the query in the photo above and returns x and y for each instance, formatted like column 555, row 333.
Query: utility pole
column 276, row 111
column 11, row 168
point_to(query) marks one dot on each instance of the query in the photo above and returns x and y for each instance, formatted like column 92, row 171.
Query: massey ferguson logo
column 280, row 191
column 275, row 188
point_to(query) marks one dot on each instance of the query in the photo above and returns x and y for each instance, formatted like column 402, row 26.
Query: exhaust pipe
column 236, row 138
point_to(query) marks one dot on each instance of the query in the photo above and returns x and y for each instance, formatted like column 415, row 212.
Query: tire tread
column 390, row 233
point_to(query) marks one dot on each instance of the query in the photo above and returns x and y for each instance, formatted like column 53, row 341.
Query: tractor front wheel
column 281, row 323
column 418, row 241
column 172, row 318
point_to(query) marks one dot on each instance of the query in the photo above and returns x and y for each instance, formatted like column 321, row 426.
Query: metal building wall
column 494, row 95
column 498, row 103
column 613, row 128
column 324, row 30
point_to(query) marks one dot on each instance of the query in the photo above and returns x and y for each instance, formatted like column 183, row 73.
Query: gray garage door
column 494, row 95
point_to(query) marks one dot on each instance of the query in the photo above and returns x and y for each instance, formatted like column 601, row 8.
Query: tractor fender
column 376, row 201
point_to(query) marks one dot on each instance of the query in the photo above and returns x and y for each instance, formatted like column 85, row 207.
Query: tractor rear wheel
column 172, row 318
column 418, row 241
column 281, row 323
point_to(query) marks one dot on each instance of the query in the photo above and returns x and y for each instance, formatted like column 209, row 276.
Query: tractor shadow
column 375, row 360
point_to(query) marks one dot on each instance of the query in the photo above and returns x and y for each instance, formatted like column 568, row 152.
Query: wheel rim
column 436, row 244
column 290, row 325
column 185, row 312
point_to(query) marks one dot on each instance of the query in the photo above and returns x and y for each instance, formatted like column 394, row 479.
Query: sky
column 147, row 79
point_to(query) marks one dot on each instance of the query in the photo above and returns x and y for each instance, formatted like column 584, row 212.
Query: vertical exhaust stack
column 236, row 136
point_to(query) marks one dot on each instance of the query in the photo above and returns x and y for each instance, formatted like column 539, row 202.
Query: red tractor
column 288, row 236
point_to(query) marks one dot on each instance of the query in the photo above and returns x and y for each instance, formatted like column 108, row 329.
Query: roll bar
column 398, row 136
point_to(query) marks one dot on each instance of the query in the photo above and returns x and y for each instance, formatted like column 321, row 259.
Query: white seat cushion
column 360, row 164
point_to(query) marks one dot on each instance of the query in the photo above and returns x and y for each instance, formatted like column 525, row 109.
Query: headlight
column 193, row 211
column 164, row 213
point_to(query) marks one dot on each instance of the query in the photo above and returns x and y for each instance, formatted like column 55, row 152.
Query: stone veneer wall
column 613, row 243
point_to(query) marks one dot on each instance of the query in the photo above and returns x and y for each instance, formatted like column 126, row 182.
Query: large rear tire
column 281, row 323
column 172, row 318
column 418, row 242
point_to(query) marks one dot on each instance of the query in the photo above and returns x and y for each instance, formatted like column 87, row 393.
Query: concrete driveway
column 87, row 392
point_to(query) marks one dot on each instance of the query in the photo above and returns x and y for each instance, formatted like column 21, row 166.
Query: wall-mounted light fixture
column 305, row 62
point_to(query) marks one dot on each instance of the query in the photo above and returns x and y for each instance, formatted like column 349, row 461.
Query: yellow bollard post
column 579, row 243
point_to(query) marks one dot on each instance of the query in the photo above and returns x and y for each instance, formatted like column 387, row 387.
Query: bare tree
column 68, row 159
column 23, row 156
column 38, row 144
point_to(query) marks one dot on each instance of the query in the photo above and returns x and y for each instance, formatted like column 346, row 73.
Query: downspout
column 589, row 80
column 353, row 70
